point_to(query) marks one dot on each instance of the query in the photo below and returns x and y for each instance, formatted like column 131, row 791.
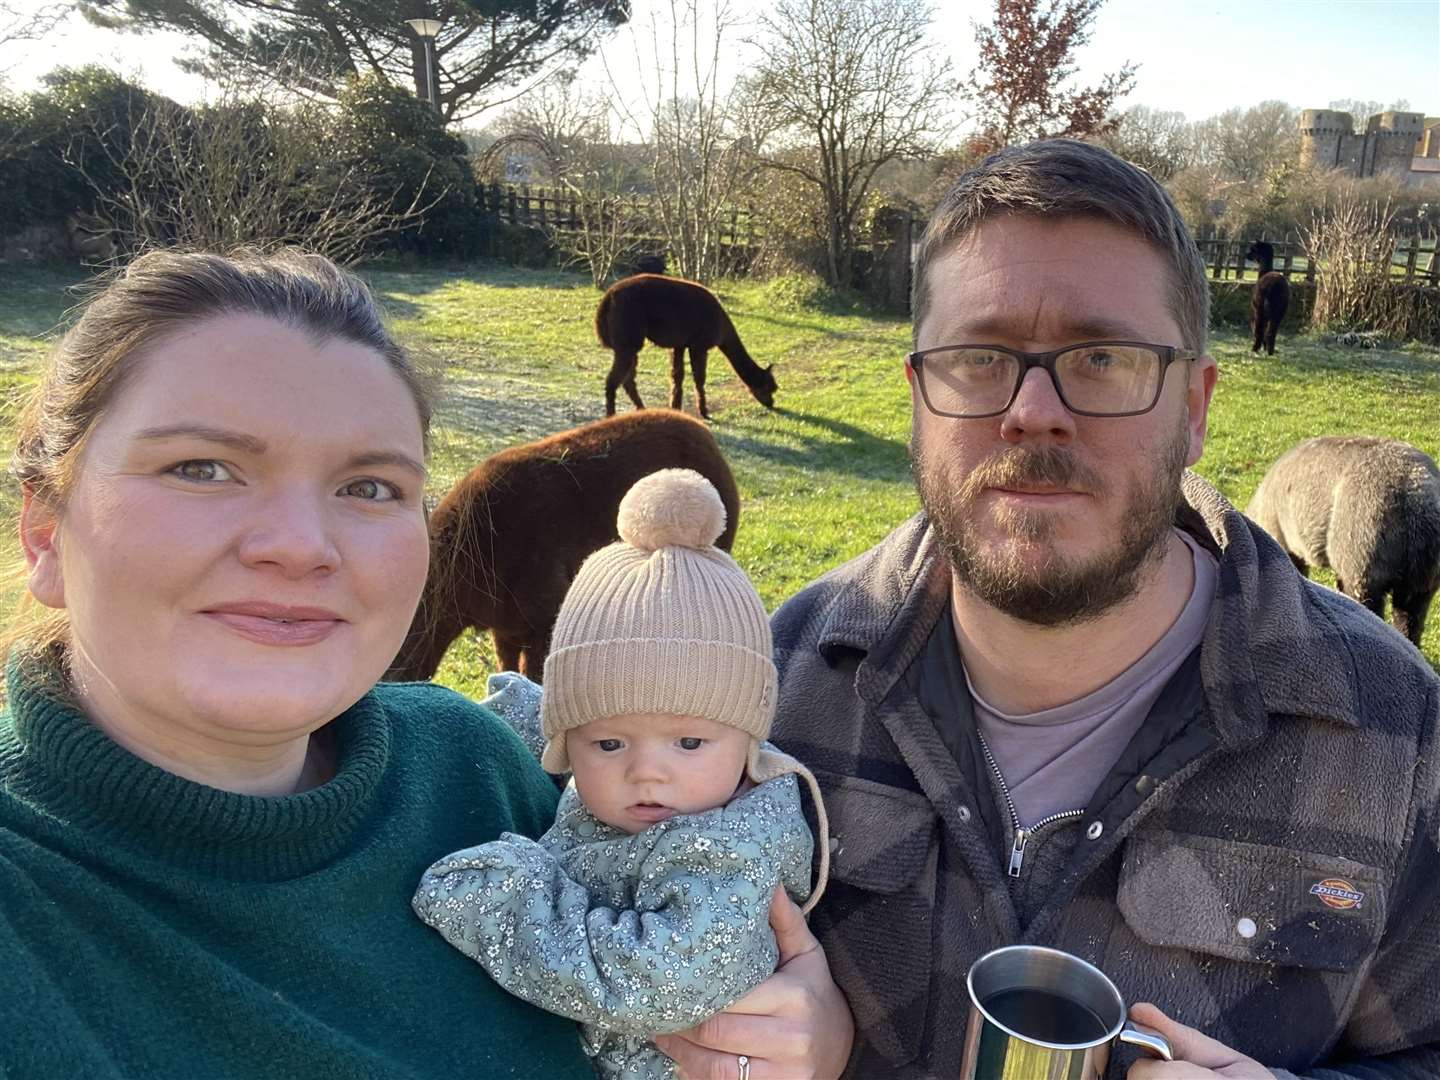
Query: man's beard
column 1056, row 591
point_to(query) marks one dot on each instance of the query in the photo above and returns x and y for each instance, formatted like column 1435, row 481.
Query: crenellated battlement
column 1386, row 144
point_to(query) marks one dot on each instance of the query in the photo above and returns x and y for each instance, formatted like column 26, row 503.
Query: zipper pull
column 1017, row 853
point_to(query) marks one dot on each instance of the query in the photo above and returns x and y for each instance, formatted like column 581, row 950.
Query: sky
column 1199, row 57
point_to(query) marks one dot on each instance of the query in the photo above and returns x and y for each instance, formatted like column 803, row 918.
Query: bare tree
column 845, row 86
column 607, row 229
column 601, row 227
column 698, row 161
column 26, row 22
column 1242, row 144
column 1158, row 141
column 558, row 122
column 1360, row 111
column 1018, row 86
column 241, row 171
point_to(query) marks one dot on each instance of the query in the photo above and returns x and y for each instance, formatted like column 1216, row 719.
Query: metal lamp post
column 426, row 30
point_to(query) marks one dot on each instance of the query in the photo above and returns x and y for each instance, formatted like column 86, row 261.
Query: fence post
column 1410, row 258
column 1240, row 260
column 1289, row 260
column 1219, row 265
column 511, row 215
column 540, row 197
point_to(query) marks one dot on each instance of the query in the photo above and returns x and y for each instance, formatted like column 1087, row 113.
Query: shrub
column 799, row 291
column 59, row 145
column 1353, row 239
column 376, row 171
column 399, row 148
column 793, row 220
column 1230, row 304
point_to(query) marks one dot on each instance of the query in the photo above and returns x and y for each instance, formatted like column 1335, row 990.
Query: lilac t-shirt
column 1053, row 760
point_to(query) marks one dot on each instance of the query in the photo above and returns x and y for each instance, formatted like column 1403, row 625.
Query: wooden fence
column 560, row 208
column 1414, row 261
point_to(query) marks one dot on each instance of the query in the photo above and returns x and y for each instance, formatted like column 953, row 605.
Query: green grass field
column 824, row 476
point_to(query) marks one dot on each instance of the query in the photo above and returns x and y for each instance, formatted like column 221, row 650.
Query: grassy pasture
column 825, row 475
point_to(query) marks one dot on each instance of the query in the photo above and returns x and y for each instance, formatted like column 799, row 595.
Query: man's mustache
column 1033, row 466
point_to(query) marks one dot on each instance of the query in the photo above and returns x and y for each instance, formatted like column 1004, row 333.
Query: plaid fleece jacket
column 1263, row 863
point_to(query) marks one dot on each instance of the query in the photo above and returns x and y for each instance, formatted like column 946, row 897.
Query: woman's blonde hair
column 155, row 295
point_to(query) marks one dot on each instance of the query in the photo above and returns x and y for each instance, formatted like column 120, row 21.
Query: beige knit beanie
column 661, row 622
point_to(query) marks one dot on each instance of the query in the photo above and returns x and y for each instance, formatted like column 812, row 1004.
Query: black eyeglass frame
column 1166, row 354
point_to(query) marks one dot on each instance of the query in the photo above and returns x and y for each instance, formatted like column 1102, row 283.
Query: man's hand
column 1197, row 1056
column 795, row 1025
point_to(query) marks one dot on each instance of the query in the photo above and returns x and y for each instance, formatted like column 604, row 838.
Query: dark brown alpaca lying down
column 680, row 316
column 506, row 541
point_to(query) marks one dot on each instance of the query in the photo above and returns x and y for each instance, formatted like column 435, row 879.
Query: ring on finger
column 744, row 1064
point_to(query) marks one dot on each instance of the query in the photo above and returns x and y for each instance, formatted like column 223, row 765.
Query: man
column 1079, row 701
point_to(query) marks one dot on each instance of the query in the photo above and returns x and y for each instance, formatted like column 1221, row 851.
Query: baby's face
column 632, row 771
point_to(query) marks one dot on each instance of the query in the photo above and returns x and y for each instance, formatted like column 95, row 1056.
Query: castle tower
column 1323, row 134
column 1429, row 146
column 1392, row 137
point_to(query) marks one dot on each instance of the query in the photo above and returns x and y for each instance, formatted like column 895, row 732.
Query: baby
column 644, row 909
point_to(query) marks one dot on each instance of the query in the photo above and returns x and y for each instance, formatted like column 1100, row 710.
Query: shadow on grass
column 420, row 279
column 871, row 336
column 1410, row 372
column 491, row 412
column 856, row 452
column 34, row 299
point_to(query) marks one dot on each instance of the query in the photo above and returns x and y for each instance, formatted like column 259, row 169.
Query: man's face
column 1048, row 516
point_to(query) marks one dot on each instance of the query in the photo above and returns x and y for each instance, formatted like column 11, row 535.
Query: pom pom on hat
column 662, row 622
column 671, row 508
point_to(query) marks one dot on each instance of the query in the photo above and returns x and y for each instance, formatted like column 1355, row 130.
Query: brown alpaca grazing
column 1270, row 299
column 506, row 541
column 680, row 316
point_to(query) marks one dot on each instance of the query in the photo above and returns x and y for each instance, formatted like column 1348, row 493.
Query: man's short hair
column 1061, row 178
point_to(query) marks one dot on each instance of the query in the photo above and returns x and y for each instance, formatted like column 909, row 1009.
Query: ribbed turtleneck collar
column 74, row 777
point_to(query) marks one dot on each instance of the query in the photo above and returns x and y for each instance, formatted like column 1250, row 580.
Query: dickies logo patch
column 1337, row 893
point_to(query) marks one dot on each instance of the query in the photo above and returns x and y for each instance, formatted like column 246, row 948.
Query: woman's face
column 244, row 544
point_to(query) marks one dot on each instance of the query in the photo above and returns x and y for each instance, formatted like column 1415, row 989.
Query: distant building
column 1401, row 144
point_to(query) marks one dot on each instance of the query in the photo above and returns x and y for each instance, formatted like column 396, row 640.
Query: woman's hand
column 794, row 1026
column 1197, row 1056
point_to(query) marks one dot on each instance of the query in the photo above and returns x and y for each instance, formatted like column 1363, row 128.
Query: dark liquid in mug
column 1045, row 1017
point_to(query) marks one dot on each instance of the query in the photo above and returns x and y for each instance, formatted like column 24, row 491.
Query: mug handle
column 1147, row 1039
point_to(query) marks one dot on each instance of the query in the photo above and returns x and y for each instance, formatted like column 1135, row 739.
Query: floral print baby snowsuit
column 632, row 935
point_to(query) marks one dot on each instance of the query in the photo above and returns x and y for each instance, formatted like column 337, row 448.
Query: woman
column 211, row 818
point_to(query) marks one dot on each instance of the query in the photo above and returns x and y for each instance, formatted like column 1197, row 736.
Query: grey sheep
column 1367, row 508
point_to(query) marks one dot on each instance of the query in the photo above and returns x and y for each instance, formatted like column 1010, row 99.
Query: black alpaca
column 1269, row 300
column 678, row 315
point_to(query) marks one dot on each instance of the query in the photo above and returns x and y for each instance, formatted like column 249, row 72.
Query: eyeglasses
column 1094, row 378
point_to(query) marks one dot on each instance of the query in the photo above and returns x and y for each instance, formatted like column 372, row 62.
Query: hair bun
column 671, row 508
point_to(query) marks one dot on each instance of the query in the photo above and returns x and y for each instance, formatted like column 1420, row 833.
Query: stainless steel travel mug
column 1042, row 1014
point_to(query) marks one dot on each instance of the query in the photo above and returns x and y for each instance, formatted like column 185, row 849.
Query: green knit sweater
column 155, row 927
